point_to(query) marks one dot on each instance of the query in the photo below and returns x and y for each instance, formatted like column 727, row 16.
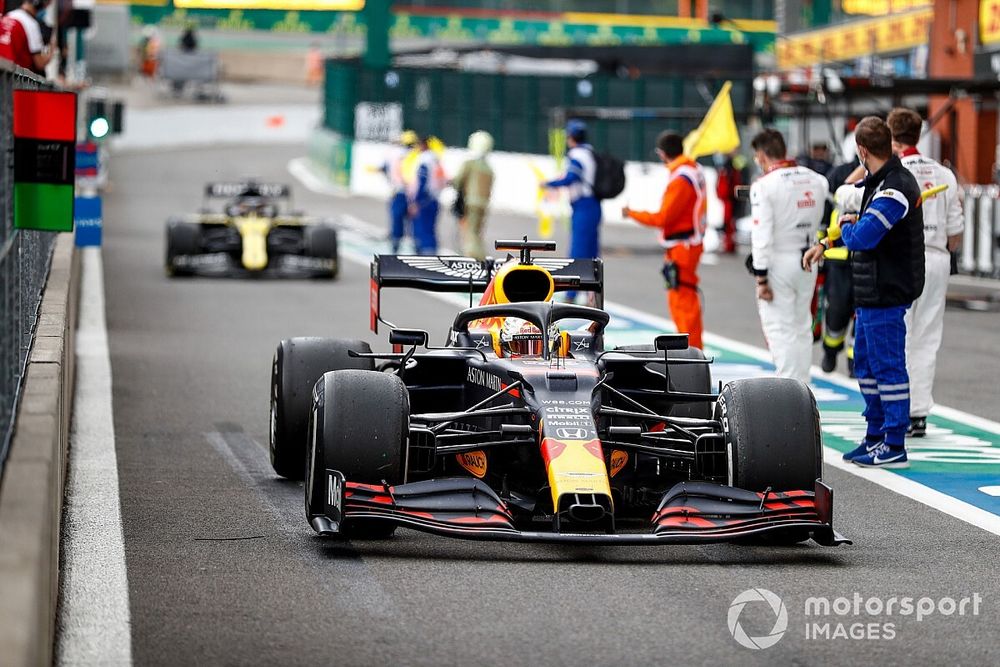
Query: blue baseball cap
column 576, row 129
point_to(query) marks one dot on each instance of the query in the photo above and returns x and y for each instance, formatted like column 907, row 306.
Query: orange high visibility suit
column 681, row 220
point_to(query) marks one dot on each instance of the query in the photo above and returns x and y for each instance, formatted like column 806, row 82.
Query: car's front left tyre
column 772, row 433
column 321, row 242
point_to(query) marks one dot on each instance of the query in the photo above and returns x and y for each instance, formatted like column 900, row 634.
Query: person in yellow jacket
column 395, row 170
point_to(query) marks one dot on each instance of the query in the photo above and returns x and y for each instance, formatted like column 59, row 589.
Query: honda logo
column 572, row 433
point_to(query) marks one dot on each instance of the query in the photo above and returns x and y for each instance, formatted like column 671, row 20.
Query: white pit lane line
column 94, row 626
column 914, row 490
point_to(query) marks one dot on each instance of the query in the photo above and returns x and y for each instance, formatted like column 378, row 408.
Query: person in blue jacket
column 585, row 222
column 886, row 245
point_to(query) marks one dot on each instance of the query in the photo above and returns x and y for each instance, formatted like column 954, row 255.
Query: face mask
column 863, row 163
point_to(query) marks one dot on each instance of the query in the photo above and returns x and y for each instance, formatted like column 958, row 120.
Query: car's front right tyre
column 183, row 238
column 297, row 364
column 359, row 427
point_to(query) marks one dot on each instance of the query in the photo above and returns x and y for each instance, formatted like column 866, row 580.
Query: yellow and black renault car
column 523, row 426
column 255, row 234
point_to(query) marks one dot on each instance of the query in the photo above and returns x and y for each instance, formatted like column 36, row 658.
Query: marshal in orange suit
column 681, row 220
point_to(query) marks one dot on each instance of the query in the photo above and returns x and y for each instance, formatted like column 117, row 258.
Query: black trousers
column 839, row 304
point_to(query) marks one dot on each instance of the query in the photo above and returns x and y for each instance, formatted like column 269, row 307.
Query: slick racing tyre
column 298, row 363
column 321, row 241
column 772, row 435
column 692, row 378
column 359, row 426
column 183, row 238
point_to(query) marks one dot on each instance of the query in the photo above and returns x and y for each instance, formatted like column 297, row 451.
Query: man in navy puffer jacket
column 887, row 267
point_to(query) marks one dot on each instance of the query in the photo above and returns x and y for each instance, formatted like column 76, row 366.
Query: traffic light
column 104, row 117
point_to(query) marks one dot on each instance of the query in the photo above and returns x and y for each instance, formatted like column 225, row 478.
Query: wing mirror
column 665, row 342
column 408, row 337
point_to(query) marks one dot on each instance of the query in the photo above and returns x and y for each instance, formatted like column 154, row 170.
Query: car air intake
column 525, row 283
column 585, row 508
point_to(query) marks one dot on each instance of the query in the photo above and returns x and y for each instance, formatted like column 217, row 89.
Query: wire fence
column 24, row 262
column 517, row 109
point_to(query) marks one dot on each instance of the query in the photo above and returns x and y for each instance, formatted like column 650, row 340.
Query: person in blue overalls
column 394, row 171
column 424, row 199
column 886, row 247
column 585, row 222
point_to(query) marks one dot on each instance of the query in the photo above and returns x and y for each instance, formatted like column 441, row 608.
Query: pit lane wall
column 37, row 310
column 31, row 494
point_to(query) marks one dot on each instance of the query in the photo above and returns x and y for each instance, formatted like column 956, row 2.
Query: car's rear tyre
column 298, row 363
column 359, row 426
column 183, row 238
column 692, row 378
column 321, row 241
column 772, row 434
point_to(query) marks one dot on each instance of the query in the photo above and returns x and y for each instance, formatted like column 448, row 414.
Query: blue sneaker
column 865, row 447
column 883, row 456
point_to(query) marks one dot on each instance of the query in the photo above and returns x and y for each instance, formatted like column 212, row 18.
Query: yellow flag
column 541, row 207
column 717, row 132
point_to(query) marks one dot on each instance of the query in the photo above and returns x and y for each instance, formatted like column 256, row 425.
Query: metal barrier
column 24, row 261
column 980, row 254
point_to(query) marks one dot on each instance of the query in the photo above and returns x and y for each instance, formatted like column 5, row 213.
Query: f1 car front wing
column 224, row 265
column 690, row 513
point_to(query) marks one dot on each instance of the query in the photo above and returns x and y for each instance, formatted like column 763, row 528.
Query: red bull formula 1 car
column 524, row 426
column 253, row 235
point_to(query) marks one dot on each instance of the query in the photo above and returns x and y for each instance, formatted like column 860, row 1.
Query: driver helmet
column 520, row 338
column 252, row 206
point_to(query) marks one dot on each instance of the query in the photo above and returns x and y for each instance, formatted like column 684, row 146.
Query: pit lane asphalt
column 223, row 569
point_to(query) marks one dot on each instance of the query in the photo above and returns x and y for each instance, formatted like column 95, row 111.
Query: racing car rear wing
column 435, row 273
column 248, row 189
